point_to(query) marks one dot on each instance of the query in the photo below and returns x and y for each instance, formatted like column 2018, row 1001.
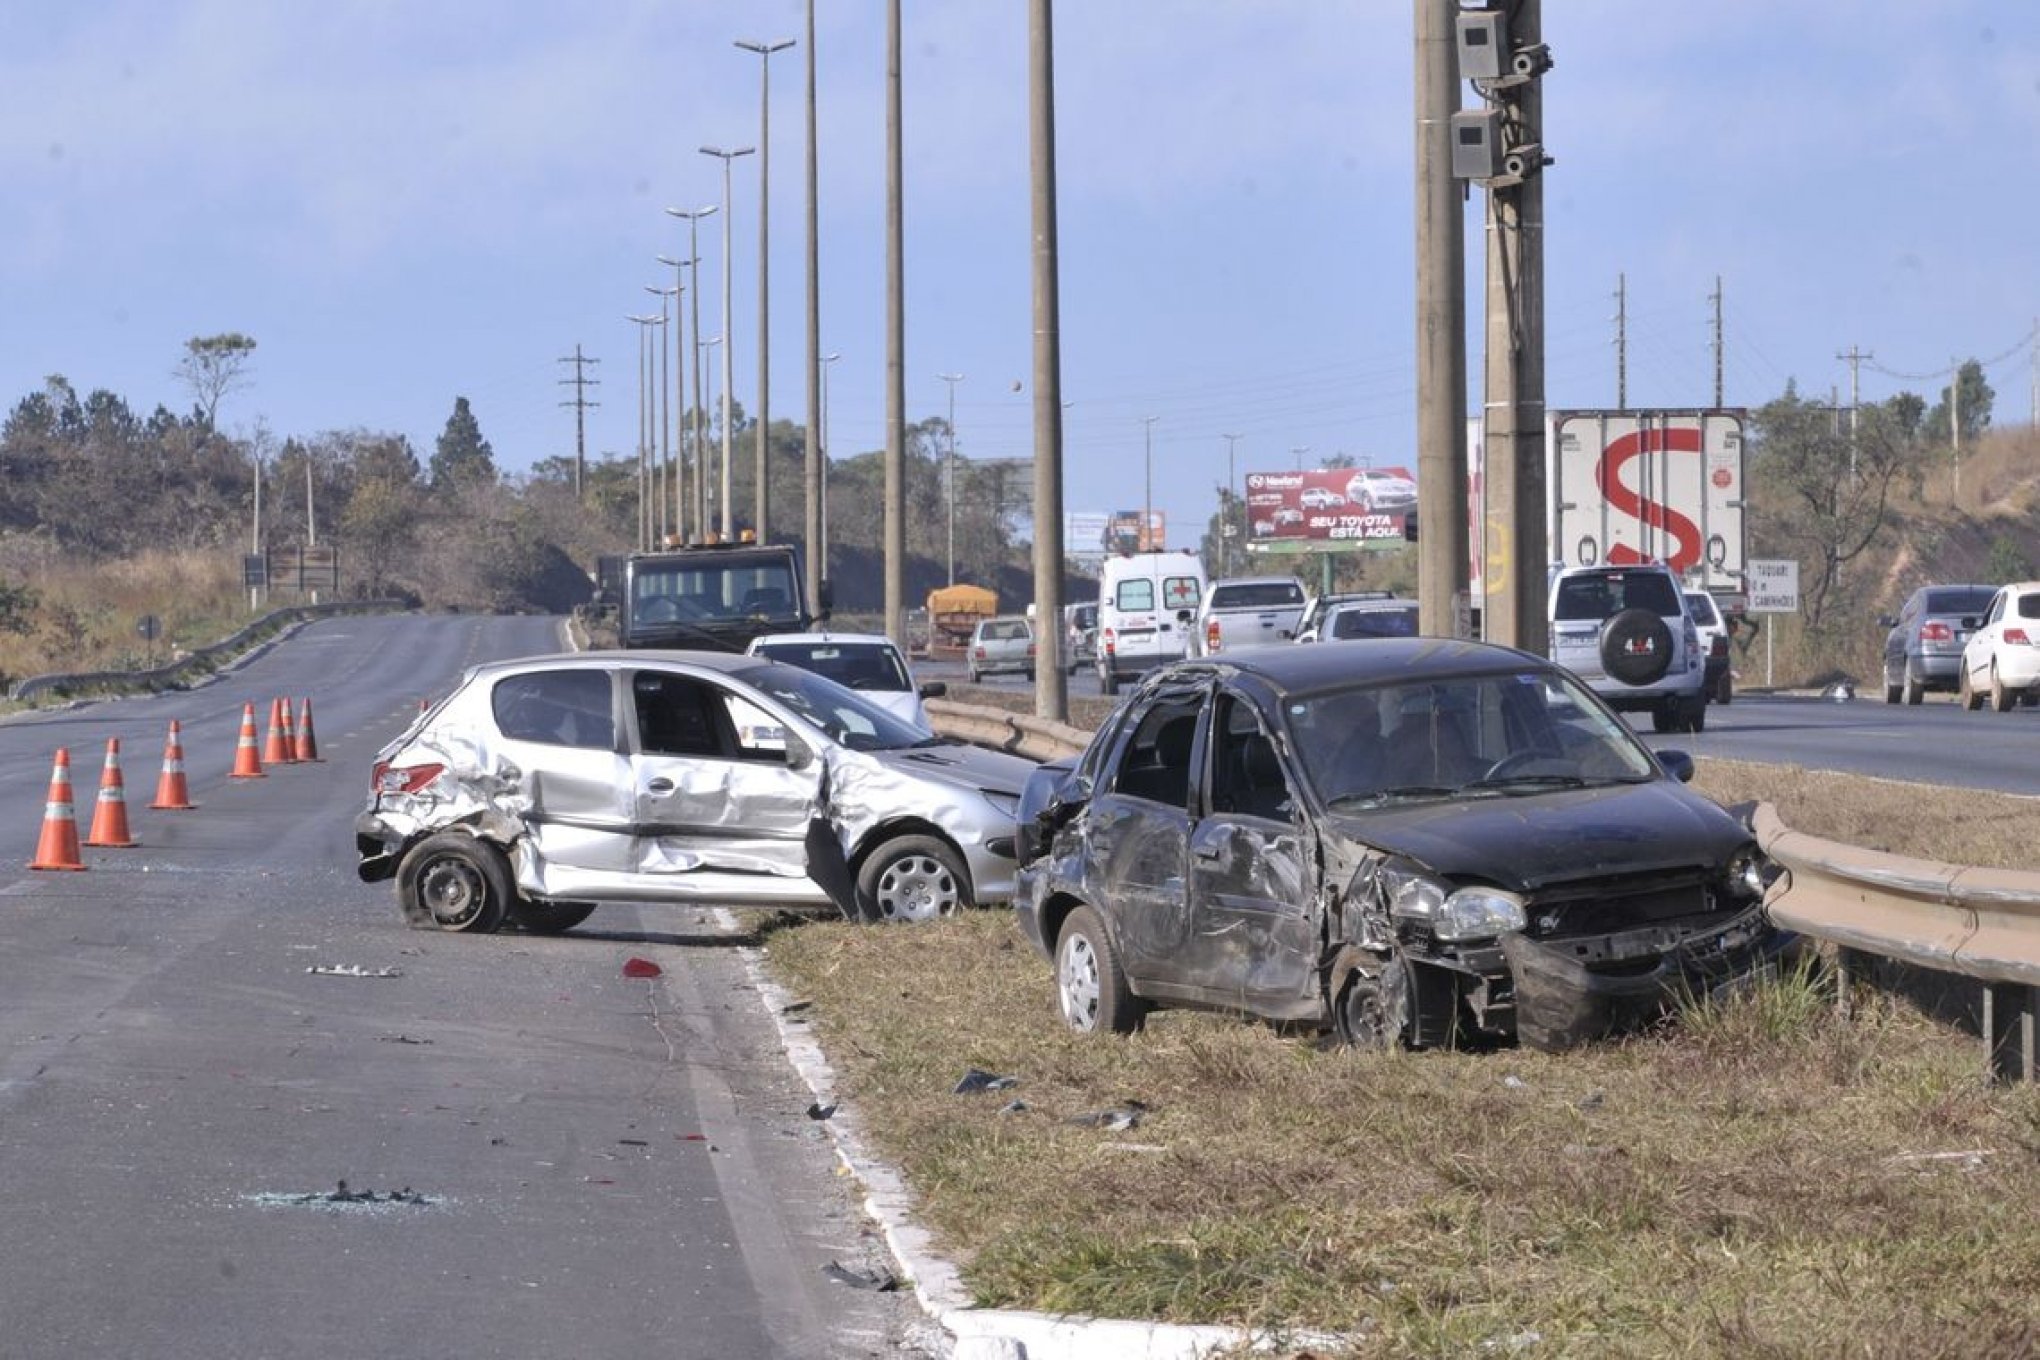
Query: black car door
column 1136, row 839
column 1253, row 939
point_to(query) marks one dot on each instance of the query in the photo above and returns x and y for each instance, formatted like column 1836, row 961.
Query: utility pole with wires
column 1854, row 357
column 1622, row 343
column 580, row 382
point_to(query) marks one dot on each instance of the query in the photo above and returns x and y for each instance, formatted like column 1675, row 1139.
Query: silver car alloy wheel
column 1076, row 975
column 917, row 888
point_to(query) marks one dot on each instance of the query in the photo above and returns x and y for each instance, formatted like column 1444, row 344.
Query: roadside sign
column 1774, row 586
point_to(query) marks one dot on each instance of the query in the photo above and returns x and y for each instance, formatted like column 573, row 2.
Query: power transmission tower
column 580, row 382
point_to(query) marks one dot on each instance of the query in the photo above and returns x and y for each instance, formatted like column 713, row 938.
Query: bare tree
column 212, row 366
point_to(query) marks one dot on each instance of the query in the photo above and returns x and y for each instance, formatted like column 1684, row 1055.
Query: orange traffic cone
column 247, row 759
column 307, row 744
column 172, row 794
column 276, row 751
column 289, row 734
column 109, row 814
column 58, row 848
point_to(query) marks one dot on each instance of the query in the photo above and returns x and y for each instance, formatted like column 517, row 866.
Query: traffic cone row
column 58, row 846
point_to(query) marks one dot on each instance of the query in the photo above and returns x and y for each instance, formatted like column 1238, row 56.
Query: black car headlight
column 1745, row 874
column 1476, row 912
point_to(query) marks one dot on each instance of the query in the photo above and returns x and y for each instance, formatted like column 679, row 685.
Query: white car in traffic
column 2001, row 660
column 869, row 663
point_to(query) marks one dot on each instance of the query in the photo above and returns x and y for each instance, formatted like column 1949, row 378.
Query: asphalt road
column 586, row 1164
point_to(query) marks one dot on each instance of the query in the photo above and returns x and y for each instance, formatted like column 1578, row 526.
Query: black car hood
column 1527, row 841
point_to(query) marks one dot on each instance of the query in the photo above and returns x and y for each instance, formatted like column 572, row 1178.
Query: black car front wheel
column 454, row 882
column 1373, row 1009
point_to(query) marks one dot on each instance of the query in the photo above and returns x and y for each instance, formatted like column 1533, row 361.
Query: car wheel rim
column 1079, row 978
column 917, row 888
column 452, row 891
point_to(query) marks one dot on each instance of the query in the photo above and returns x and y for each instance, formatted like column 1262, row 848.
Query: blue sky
column 404, row 201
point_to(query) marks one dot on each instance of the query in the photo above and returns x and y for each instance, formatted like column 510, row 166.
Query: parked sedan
column 2001, row 660
column 1923, row 649
column 870, row 663
column 1001, row 644
column 1421, row 840
column 543, row 786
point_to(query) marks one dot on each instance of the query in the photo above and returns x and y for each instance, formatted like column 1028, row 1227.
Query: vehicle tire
column 1724, row 688
column 1108, row 682
column 2001, row 699
column 912, row 878
column 1914, row 690
column 454, row 882
column 1029, row 674
column 549, row 918
column 1090, row 986
column 1662, row 716
column 1894, row 690
column 1966, row 693
column 1636, row 647
column 1696, row 716
column 971, row 673
column 1373, row 1010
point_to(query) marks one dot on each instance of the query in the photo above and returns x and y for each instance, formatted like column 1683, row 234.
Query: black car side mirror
column 1678, row 764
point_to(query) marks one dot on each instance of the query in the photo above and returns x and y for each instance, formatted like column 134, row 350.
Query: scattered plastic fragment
column 353, row 970
column 1515, row 1083
column 1118, row 1119
column 1593, row 1100
column 632, row 1142
column 641, row 968
column 795, row 1007
column 977, row 1079
column 1014, row 1107
column 819, row 1111
column 341, row 1197
column 883, row 1281
column 400, row 1039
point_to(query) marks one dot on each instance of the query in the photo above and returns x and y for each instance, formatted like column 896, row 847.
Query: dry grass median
column 1761, row 1178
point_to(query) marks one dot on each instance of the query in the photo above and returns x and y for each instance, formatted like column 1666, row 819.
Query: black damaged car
column 1412, row 840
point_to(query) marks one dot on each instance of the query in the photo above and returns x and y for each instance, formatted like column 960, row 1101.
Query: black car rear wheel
column 1091, row 988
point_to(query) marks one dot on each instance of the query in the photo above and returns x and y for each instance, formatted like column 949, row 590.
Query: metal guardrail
column 1020, row 733
column 202, row 660
column 1978, row 923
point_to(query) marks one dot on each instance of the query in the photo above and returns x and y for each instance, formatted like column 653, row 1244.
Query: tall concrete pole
column 1517, row 537
column 1229, row 519
column 662, row 447
column 949, row 470
column 1144, row 540
column 763, row 476
column 895, row 345
column 682, row 497
column 1442, row 562
column 1051, row 691
column 817, row 471
column 694, row 346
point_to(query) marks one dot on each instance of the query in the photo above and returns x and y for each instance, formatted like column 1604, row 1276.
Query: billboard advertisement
column 1123, row 534
column 1329, row 505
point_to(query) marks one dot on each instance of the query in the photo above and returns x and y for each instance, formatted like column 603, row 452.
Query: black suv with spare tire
column 1625, row 631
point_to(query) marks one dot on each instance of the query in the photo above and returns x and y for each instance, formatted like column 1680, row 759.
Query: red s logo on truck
column 1684, row 533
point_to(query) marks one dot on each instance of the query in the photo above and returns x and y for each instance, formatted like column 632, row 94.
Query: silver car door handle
column 660, row 786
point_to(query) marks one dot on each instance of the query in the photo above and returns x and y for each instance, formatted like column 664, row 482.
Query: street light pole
column 1230, row 508
column 694, row 333
column 708, row 463
column 726, row 157
column 1144, row 540
column 764, row 477
column 665, row 404
column 815, row 463
column 949, row 469
column 681, row 500
column 644, row 324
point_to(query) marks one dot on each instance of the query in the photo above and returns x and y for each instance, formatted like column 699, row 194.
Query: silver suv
column 1626, row 632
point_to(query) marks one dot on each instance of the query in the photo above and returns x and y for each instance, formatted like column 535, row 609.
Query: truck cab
column 714, row 597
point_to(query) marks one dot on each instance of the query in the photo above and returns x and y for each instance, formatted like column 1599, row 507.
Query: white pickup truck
column 1246, row 611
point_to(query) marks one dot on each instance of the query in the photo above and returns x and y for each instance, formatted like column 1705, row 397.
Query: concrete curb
column 978, row 1333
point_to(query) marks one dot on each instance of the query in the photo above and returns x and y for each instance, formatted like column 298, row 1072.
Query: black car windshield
column 847, row 718
column 873, row 666
column 1498, row 735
